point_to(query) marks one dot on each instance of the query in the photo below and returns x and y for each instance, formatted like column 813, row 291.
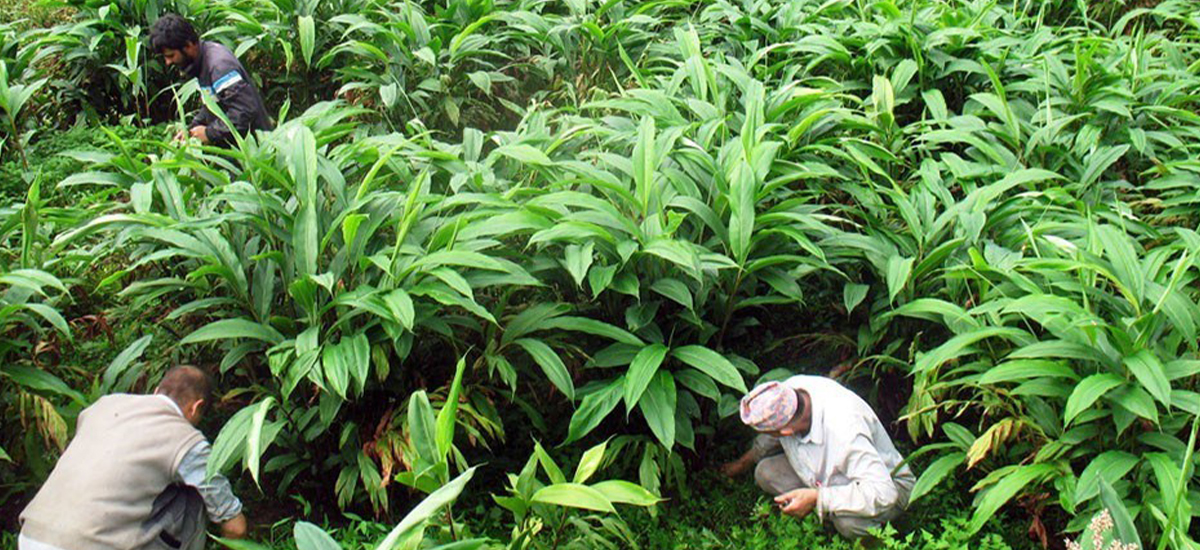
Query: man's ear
column 197, row 408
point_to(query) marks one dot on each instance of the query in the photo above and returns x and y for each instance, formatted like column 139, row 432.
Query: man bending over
column 821, row 449
column 133, row 476
column 219, row 73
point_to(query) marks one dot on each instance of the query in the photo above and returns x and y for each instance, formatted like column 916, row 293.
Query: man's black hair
column 172, row 32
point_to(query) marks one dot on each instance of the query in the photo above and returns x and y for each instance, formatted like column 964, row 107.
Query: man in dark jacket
column 219, row 73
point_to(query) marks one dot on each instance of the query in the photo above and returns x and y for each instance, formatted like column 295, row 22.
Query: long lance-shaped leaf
column 446, row 417
column 641, row 372
column 254, row 442
column 233, row 328
column 550, row 363
column 711, row 363
column 426, row 509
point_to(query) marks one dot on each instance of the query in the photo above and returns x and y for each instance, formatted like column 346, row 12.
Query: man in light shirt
column 134, row 476
column 836, row 459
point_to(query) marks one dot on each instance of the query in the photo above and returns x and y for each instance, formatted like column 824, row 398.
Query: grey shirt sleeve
column 218, row 496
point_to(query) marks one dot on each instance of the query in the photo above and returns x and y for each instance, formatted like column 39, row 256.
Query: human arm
column 763, row 445
column 219, row 501
column 238, row 101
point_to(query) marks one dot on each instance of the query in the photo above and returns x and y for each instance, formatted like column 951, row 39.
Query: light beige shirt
column 846, row 454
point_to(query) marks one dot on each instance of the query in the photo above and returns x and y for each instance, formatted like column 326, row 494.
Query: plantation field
column 503, row 269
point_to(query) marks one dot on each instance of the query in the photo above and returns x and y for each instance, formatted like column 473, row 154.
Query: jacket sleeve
column 202, row 118
column 219, row 500
column 236, row 97
column 871, row 490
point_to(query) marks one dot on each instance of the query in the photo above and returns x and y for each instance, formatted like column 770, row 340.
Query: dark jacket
column 221, row 74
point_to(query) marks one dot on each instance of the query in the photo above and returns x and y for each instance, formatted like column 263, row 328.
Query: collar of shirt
column 168, row 399
column 816, row 397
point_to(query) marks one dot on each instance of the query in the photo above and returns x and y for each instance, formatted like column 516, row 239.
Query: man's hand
column 200, row 133
column 798, row 502
column 234, row 528
column 734, row 468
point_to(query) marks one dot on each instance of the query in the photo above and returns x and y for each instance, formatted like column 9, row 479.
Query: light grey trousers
column 178, row 515
column 775, row 475
column 177, row 520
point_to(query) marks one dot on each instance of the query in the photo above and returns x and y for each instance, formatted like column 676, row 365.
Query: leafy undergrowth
column 724, row 514
column 48, row 162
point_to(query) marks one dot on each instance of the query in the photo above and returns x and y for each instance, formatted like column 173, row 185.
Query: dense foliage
column 604, row 212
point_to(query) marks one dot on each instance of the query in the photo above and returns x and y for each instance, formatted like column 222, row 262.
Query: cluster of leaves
column 1002, row 201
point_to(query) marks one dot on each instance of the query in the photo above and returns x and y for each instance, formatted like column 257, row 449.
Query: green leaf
column 1109, row 466
column 1087, row 392
column 308, row 38
column 552, row 470
column 4, row 455
column 594, row 408
column 1023, row 369
column 711, row 363
column 51, row 316
column 645, row 164
column 957, row 346
column 240, row 544
column 349, row 359
column 591, row 326
column 233, row 328
column 123, row 360
column 935, row 473
column 1148, row 370
column 254, row 441
column 589, row 463
column 577, row 261
column 675, row 290
column 39, row 380
column 426, row 509
column 400, row 304
column 658, row 405
column 898, row 270
column 641, row 372
column 624, row 492
column 1122, row 521
column 574, row 495
column 677, row 252
column 311, row 537
column 551, row 365
column 532, row 319
column 1120, row 250
column 231, row 441
column 1003, row 491
column 449, row 413
column 422, row 429
column 524, row 154
column 852, row 295
column 1100, row 160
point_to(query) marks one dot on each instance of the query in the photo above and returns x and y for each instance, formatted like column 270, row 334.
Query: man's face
column 174, row 58
column 180, row 58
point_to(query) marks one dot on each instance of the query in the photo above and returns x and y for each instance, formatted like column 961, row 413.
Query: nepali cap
column 769, row 407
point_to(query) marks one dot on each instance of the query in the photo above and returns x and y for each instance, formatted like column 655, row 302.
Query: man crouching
column 836, row 460
column 133, row 477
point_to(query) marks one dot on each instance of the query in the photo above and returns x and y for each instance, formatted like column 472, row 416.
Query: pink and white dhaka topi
column 769, row 407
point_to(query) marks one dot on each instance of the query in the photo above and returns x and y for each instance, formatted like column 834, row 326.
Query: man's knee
column 859, row 526
column 856, row 527
column 774, row 475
